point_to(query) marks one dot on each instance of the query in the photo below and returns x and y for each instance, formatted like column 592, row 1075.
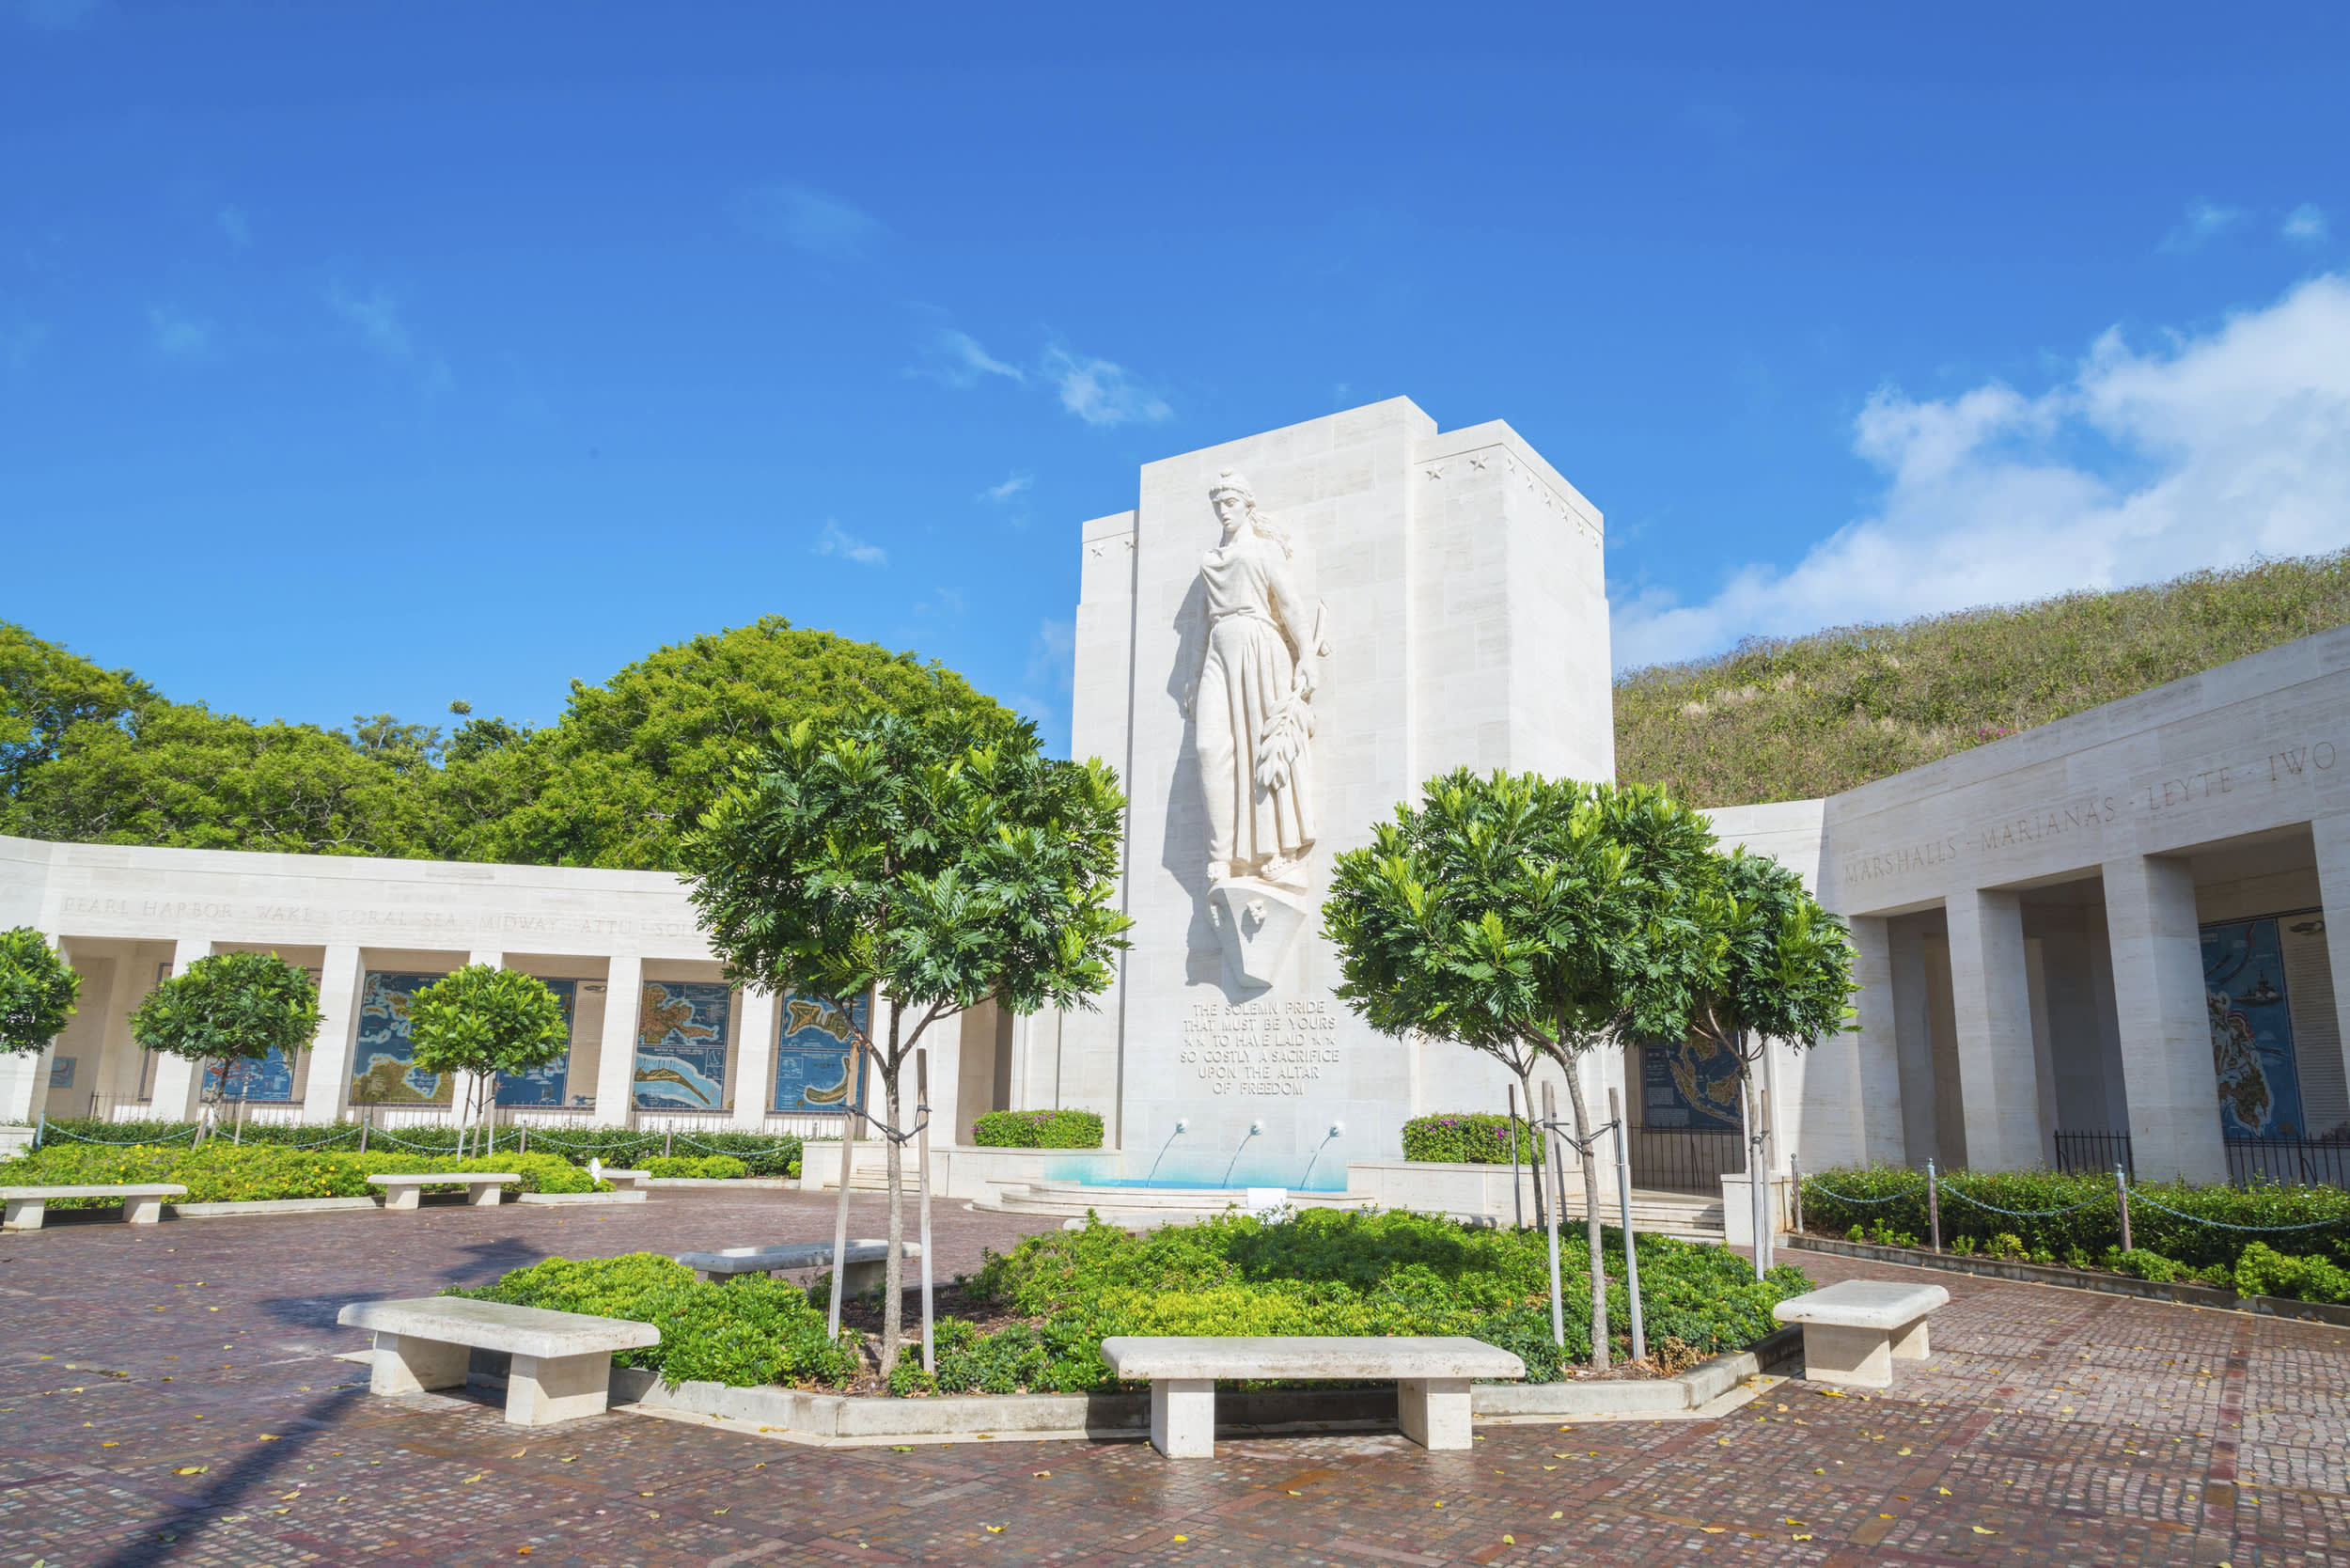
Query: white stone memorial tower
column 1285, row 638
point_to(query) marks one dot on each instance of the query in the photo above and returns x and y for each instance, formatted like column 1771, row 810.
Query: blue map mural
column 681, row 1045
column 270, row 1078
column 545, row 1086
column 382, row 1070
column 1691, row 1086
column 2251, row 1030
column 812, row 1058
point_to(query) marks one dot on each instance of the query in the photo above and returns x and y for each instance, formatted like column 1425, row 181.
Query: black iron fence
column 1682, row 1160
column 2288, row 1161
column 2285, row 1161
column 2093, row 1154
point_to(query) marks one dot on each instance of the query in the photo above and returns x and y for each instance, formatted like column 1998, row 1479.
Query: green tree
column 935, row 864
column 483, row 1021
column 632, row 765
column 230, row 1007
column 38, row 990
column 1517, row 913
column 1778, row 966
column 45, row 692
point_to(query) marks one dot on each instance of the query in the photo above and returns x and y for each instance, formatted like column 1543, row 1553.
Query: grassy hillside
column 1791, row 719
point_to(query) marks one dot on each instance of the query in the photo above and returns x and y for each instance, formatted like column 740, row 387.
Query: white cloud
column 816, row 222
column 2203, row 452
column 377, row 318
column 179, row 336
column 1052, row 656
column 2205, row 221
column 1008, row 489
column 959, row 359
column 232, row 223
column 1100, row 392
column 2304, row 221
column 836, row 541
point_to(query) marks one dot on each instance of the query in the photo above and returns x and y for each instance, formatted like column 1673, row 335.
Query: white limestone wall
column 1469, row 627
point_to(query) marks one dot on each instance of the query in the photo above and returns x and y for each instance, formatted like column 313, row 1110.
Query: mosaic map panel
column 681, row 1045
column 812, row 1058
column 2251, row 1030
column 546, row 1086
column 381, row 1061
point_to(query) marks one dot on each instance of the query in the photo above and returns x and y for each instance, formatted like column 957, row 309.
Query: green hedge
column 225, row 1173
column 1893, row 1199
column 1039, row 1129
column 1326, row 1272
column 754, row 1331
column 707, row 1168
column 1469, row 1138
column 765, row 1153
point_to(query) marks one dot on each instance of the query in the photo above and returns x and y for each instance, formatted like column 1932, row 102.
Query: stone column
column 341, row 977
column 2332, row 836
column 1870, row 1085
column 178, row 1080
column 755, row 1044
column 2165, row 1026
column 615, row 1067
column 1913, row 1027
column 1997, row 1069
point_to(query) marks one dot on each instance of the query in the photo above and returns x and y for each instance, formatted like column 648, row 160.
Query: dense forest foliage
column 99, row 756
column 1790, row 719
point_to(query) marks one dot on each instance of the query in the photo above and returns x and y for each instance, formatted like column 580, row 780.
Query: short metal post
column 1794, row 1195
column 1624, row 1203
column 666, row 1135
column 1517, row 1199
column 1933, row 1207
column 366, row 1125
column 2122, row 1192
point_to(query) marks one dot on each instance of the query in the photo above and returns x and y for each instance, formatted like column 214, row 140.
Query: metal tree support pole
column 1795, row 1190
column 366, row 1125
column 2122, row 1193
column 1558, row 1300
column 840, row 1216
column 1933, row 1208
column 667, row 1134
column 1517, row 1199
column 1624, row 1205
column 922, row 1166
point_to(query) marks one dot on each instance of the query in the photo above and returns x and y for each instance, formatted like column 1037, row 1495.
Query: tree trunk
column 893, row 1273
column 1591, row 1219
column 1756, row 1211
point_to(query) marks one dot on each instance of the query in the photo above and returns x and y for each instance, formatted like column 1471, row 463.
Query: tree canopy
column 38, row 990
column 96, row 756
column 484, row 1020
column 230, row 1007
column 938, row 863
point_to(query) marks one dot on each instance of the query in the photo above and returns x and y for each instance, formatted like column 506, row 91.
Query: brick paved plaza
column 2052, row 1426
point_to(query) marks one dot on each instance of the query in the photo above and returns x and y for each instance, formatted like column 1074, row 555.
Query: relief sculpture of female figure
column 1251, row 700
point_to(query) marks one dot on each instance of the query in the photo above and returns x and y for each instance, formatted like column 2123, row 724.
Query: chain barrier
column 1814, row 1185
column 2138, row 1195
column 2019, row 1213
column 114, row 1142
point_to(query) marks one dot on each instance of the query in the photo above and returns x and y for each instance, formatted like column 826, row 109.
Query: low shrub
column 1038, row 1129
column 219, row 1172
column 1469, row 1138
column 754, row 1331
column 707, row 1168
column 765, row 1153
column 1333, row 1272
column 2059, row 1216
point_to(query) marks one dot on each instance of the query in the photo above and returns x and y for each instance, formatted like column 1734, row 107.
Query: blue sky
column 359, row 358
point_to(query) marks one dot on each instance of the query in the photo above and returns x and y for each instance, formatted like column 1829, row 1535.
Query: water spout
column 1181, row 1127
column 1254, row 1128
column 1336, row 1128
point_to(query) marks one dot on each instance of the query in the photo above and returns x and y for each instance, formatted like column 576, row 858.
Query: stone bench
column 561, row 1366
column 626, row 1180
column 866, row 1269
column 405, row 1192
column 26, row 1208
column 1853, row 1331
column 1431, row 1377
